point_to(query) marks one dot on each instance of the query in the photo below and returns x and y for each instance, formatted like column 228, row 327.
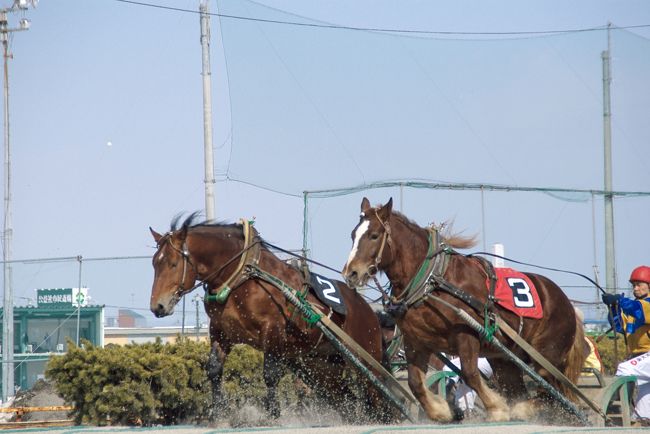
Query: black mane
column 193, row 221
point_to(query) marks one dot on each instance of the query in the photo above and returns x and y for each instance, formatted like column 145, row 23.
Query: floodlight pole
column 207, row 111
column 8, row 389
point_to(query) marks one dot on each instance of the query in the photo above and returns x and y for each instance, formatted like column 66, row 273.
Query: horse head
column 174, row 272
column 370, row 242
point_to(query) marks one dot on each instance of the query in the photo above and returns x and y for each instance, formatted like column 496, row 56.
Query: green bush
column 152, row 383
column 136, row 384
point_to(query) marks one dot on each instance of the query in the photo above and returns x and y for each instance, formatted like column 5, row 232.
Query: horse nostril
column 351, row 279
column 372, row 270
column 159, row 310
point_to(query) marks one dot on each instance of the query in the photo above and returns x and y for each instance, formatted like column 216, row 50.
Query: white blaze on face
column 361, row 229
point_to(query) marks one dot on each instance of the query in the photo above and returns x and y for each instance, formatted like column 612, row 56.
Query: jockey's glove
column 610, row 299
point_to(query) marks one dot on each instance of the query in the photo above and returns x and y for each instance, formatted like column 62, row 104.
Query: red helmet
column 640, row 274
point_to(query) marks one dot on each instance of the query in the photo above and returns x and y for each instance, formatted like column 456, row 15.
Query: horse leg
column 214, row 372
column 273, row 370
column 510, row 382
column 417, row 364
column 495, row 404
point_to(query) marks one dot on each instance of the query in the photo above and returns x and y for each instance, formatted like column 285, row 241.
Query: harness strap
column 535, row 355
column 532, row 352
column 249, row 254
column 361, row 352
column 435, row 263
column 488, row 314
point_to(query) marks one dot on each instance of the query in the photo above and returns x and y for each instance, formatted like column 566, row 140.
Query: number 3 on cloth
column 520, row 292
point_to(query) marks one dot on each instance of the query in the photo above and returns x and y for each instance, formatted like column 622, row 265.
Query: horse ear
column 156, row 235
column 384, row 211
column 365, row 204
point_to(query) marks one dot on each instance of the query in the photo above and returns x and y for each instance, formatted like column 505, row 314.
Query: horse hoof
column 523, row 411
column 498, row 416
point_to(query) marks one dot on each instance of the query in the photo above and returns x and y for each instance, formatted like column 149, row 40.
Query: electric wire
column 389, row 30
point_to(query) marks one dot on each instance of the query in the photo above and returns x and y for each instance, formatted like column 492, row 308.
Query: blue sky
column 300, row 108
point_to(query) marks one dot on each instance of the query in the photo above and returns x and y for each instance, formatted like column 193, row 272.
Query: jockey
column 632, row 317
column 465, row 396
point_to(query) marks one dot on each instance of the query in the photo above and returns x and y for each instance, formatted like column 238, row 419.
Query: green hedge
column 155, row 383
column 133, row 384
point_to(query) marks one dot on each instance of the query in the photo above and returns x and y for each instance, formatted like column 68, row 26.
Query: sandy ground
column 251, row 420
column 499, row 428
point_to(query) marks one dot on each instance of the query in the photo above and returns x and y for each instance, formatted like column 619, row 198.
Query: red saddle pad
column 515, row 292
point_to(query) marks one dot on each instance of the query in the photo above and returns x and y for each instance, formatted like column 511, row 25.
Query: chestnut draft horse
column 387, row 241
column 244, row 309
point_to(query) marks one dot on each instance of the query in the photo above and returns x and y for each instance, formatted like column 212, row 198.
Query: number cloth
column 516, row 292
column 328, row 292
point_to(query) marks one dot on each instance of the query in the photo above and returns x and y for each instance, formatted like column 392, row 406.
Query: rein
column 541, row 267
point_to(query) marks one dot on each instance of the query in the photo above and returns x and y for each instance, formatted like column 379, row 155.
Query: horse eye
column 374, row 236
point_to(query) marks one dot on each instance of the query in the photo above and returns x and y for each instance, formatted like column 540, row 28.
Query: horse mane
column 455, row 240
column 193, row 221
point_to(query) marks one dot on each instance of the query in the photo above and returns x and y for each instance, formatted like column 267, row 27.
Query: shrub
column 137, row 384
column 155, row 383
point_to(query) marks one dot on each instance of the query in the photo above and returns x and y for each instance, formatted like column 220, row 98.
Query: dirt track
column 454, row 429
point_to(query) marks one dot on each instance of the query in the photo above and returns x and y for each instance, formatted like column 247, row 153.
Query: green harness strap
column 422, row 271
column 293, row 295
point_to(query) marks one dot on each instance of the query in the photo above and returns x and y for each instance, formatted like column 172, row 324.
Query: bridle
column 386, row 239
column 433, row 263
column 185, row 254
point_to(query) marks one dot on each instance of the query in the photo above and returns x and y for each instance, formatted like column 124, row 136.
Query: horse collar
column 434, row 265
column 239, row 276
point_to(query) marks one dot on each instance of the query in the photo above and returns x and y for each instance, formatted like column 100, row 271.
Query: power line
column 387, row 30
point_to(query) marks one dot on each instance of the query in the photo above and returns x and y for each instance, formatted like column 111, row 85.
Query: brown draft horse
column 387, row 241
column 257, row 313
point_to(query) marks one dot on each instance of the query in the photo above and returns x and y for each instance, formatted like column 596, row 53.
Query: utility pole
column 207, row 112
column 610, row 258
column 8, row 389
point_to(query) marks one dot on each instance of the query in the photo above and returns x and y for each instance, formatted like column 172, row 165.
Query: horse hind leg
column 273, row 371
column 510, row 382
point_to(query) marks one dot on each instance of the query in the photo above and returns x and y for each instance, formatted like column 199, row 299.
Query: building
column 45, row 329
column 130, row 318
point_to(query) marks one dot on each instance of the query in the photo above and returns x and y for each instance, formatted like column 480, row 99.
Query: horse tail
column 575, row 358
